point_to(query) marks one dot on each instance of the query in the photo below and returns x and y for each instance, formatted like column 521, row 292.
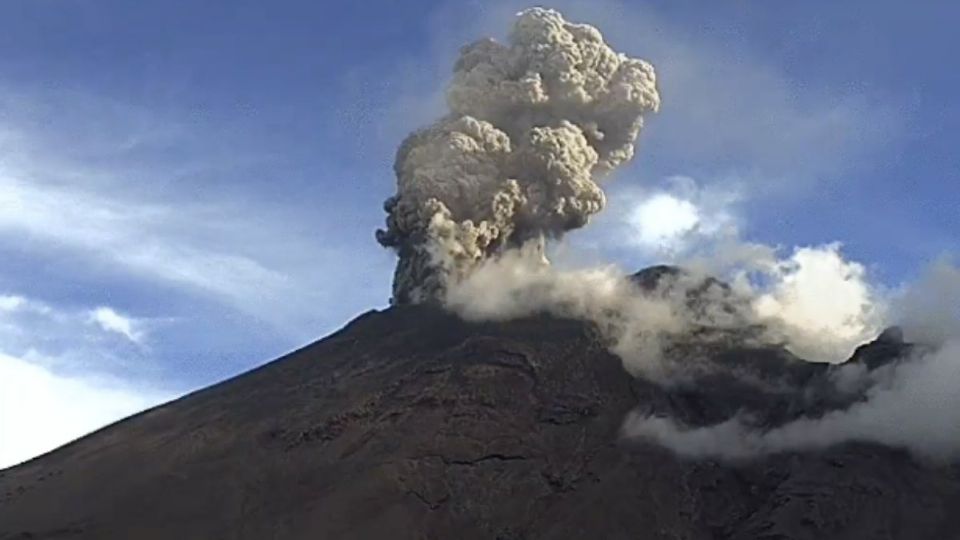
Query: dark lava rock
column 887, row 348
column 412, row 424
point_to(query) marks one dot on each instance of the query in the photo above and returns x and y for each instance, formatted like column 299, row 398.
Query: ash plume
column 533, row 126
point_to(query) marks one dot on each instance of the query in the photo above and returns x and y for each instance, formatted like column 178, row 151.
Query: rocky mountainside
column 411, row 423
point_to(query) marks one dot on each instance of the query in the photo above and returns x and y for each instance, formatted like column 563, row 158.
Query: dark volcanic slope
column 412, row 424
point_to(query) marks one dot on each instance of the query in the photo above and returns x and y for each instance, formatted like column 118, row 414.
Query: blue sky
column 189, row 189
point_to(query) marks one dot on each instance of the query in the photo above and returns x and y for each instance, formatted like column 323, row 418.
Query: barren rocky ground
column 410, row 423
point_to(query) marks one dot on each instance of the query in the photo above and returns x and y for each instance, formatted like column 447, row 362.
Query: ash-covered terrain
column 411, row 423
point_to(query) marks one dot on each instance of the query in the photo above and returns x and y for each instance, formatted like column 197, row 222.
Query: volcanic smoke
column 534, row 126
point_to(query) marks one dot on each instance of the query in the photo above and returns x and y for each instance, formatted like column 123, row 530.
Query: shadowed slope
column 410, row 423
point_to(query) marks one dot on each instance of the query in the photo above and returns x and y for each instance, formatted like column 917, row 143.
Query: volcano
column 412, row 423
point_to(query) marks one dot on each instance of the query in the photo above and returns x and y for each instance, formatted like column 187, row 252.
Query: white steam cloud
column 533, row 125
column 783, row 306
column 677, row 218
column 822, row 303
column 929, row 311
column 663, row 220
column 911, row 403
column 520, row 282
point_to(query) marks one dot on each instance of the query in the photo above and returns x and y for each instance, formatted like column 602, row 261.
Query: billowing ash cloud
column 534, row 124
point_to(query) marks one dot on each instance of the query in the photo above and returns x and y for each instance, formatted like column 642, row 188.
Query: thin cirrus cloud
column 233, row 250
column 127, row 234
column 71, row 338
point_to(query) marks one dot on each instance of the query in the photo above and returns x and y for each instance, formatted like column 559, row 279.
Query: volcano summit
column 411, row 423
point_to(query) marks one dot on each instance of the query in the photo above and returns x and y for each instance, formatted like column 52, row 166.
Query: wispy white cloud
column 272, row 266
column 75, row 339
column 11, row 302
column 133, row 235
column 111, row 321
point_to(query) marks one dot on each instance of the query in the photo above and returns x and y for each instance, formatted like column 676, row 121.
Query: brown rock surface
column 410, row 423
